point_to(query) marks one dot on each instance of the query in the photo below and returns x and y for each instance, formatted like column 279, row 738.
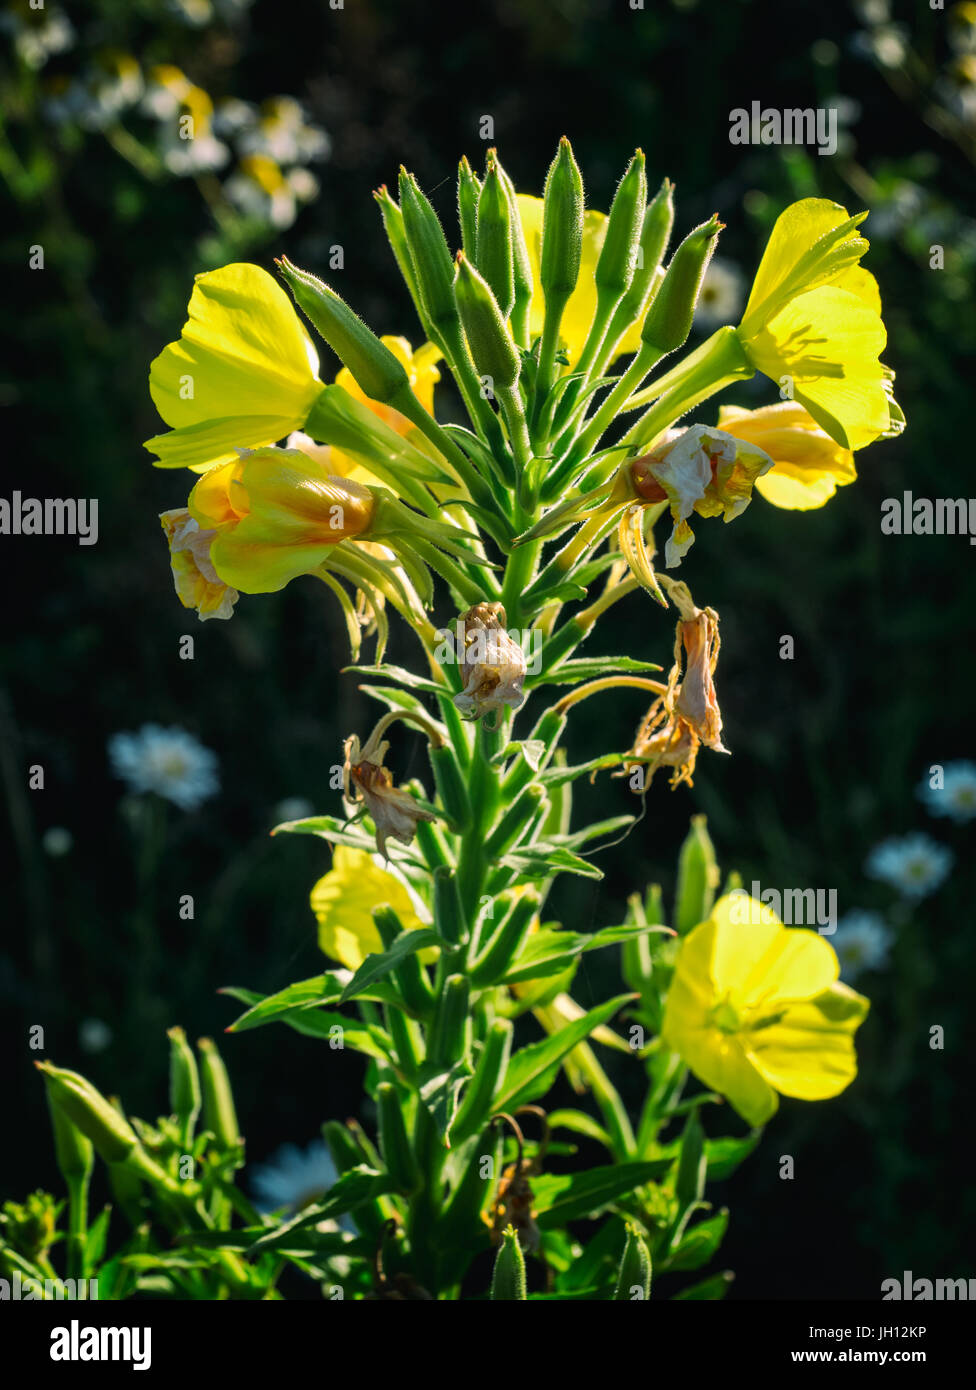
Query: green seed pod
column 449, row 919
column 495, row 253
column 219, row 1114
column 506, row 941
column 562, row 226
column 451, row 786
column 342, row 1145
column 492, row 1065
column 654, row 237
column 111, row 1134
column 513, row 822
column 618, row 255
column 492, row 346
column 450, row 1035
column 634, row 1279
column 433, row 267
column 668, row 321
column 184, row 1082
column 698, row 877
column 508, row 1278
column 398, row 1156
column 72, row 1148
column 469, row 190
column 374, row 366
column 521, row 264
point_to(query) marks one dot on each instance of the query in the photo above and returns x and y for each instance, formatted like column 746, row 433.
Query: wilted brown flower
column 493, row 665
column 365, row 779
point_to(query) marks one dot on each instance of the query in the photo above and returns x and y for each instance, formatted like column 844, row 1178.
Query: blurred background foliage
column 828, row 747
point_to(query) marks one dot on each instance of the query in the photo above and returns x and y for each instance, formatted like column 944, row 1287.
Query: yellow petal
column 810, row 1053
column 809, row 466
column 243, row 367
column 761, row 962
column 343, row 902
column 801, row 254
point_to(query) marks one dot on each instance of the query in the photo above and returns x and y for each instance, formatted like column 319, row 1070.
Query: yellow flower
column 814, row 317
column 198, row 585
column 756, row 1008
column 277, row 514
column 343, row 902
column 243, row 374
column 809, row 466
column 578, row 315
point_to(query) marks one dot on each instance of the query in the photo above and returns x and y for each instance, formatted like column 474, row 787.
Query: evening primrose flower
column 578, row 315
column 366, row 781
column 808, row 466
column 915, row 864
column 814, row 318
column 343, row 901
column 698, row 470
column 493, row 666
column 862, row 942
column 169, row 762
column 242, row 375
column 755, row 1009
column 956, row 797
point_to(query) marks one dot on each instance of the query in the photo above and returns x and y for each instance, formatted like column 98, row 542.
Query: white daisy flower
column 862, row 942
column 723, row 294
column 957, row 795
column 169, row 762
column 916, row 865
column 293, row 1177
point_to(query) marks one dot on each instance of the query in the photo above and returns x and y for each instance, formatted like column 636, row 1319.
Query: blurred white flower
column 722, row 295
column 293, row 808
column 94, row 1035
column 862, row 942
column 956, row 797
column 915, row 864
column 169, row 762
column 46, row 32
column 232, row 115
column 283, row 135
column 57, row 841
column 293, row 1177
column 259, row 189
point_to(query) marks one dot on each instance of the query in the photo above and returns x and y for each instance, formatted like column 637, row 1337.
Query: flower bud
column 397, row 237
column 110, row 1133
column 410, row 976
column 184, row 1082
column 380, row 374
column 492, row 346
column 562, row 226
column 508, row 1277
column 698, row 877
column 72, row 1148
column 398, row 1156
column 429, row 252
column 521, row 264
column 506, row 941
column 618, row 255
column 449, row 916
column 219, row 1114
column 668, row 321
column 494, row 254
column 468, row 193
column 635, row 1268
column 654, row 237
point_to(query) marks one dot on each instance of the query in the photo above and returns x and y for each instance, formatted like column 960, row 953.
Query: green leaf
column 613, row 936
column 296, row 998
column 699, row 1243
column 439, row 1091
column 532, row 1069
column 711, row 1289
column 590, row 668
column 310, row 1242
column 556, row 776
column 401, row 676
column 725, row 1155
column 96, row 1238
column 563, row 1197
column 590, row 832
column 358, row 1185
column 337, row 832
column 580, row 1123
column 379, row 964
column 546, row 951
column 543, row 861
